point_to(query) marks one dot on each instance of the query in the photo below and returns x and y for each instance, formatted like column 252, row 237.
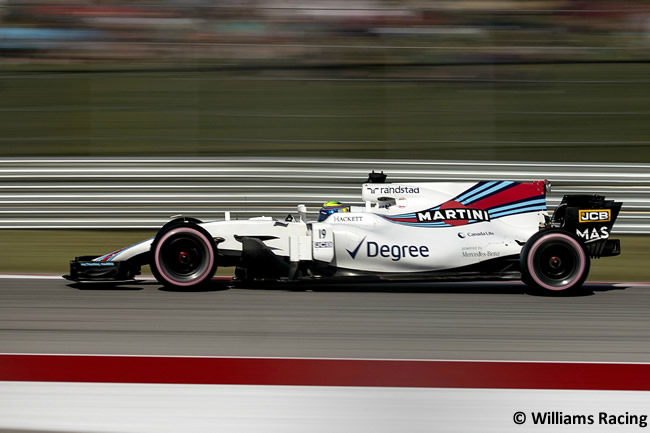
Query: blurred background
column 432, row 79
column 544, row 80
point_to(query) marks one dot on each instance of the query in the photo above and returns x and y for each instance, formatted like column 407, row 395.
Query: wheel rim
column 184, row 257
column 557, row 263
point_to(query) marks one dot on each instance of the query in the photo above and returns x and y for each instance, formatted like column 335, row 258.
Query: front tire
column 183, row 257
column 554, row 261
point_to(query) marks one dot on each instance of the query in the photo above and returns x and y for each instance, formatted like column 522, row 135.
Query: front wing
column 85, row 269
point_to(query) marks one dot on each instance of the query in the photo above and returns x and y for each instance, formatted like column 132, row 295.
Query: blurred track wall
column 120, row 193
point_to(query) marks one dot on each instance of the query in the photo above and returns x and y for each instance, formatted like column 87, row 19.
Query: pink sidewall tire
column 183, row 257
column 554, row 261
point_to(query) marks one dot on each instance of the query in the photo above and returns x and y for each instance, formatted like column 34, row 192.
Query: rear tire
column 183, row 256
column 554, row 261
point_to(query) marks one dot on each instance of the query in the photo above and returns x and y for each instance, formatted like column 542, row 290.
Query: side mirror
column 302, row 212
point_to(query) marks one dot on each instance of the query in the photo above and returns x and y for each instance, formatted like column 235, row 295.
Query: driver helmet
column 331, row 207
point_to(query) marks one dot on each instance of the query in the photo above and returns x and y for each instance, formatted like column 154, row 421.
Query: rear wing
column 591, row 218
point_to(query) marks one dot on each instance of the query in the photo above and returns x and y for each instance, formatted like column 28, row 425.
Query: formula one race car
column 488, row 230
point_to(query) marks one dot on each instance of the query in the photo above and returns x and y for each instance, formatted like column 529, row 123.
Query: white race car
column 488, row 230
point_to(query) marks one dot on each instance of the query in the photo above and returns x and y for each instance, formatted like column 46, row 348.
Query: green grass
column 631, row 265
column 36, row 251
column 50, row 251
column 548, row 113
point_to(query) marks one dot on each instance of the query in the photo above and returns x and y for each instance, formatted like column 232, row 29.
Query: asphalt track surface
column 477, row 321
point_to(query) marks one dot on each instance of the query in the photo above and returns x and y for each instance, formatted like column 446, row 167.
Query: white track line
column 151, row 278
column 54, row 277
column 30, row 277
column 325, row 358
